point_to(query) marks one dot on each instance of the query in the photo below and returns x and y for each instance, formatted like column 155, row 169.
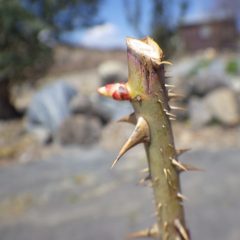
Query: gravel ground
column 74, row 195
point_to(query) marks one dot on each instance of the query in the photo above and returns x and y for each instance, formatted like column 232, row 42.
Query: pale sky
column 113, row 32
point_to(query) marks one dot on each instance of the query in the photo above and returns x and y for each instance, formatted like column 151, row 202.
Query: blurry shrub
column 232, row 67
column 22, row 55
column 201, row 64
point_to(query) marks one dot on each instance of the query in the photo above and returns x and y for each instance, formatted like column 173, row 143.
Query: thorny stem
column 149, row 97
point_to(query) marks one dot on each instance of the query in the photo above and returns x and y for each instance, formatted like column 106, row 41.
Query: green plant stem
column 152, row 105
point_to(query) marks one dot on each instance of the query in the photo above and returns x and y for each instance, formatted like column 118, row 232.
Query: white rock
column 200, row 114
column 223, row 105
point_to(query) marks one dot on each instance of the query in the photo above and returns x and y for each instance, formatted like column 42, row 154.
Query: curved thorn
column 181, row 196
column 174, row 95
column 181, row 229
column 140, row 134
column 178, row 108
column 170, row 114
column 145, row 170
column 129, row 119
column 181, row 151
column 165, row 62
column 178, row 164
column 190, row 167
column 169, row 85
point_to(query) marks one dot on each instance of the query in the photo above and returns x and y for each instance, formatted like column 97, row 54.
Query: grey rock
column 206, row 81
column 80, row 104
column 79, row 130
column 199, row 75
column 235, row 84
column 91, row 106
column 112, row 71
column 199, row 113
column 223, row 105
column 180, row 71
column 50, row 106
column 98, row 109
column 42, row 135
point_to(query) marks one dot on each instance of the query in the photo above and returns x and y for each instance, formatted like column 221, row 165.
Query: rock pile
column 211, row 91
column 70, row 111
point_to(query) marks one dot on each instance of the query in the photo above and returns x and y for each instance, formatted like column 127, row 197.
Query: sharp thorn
column 170, row 114
column 140, row 134
column 150, row 232
column 129, row 119
column 174, row 95
column 165, row 173
column 159, row 206
column 145, row 170
column 165, row 62
column 165, row 226
column 181, row 196
column 181, row 151
column 145, row 180
column 181, row 229
column 190, row 167
column 169, row 85
column 179, row 165
column 171, row 146
column 172, row 119
column 177, row 108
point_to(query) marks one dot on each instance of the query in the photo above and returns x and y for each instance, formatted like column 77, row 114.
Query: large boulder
column 220, row 105
column 50, row 106
column 79, row 130
column 224, row 106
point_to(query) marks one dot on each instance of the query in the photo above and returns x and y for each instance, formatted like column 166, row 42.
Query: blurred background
column 58, row 138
